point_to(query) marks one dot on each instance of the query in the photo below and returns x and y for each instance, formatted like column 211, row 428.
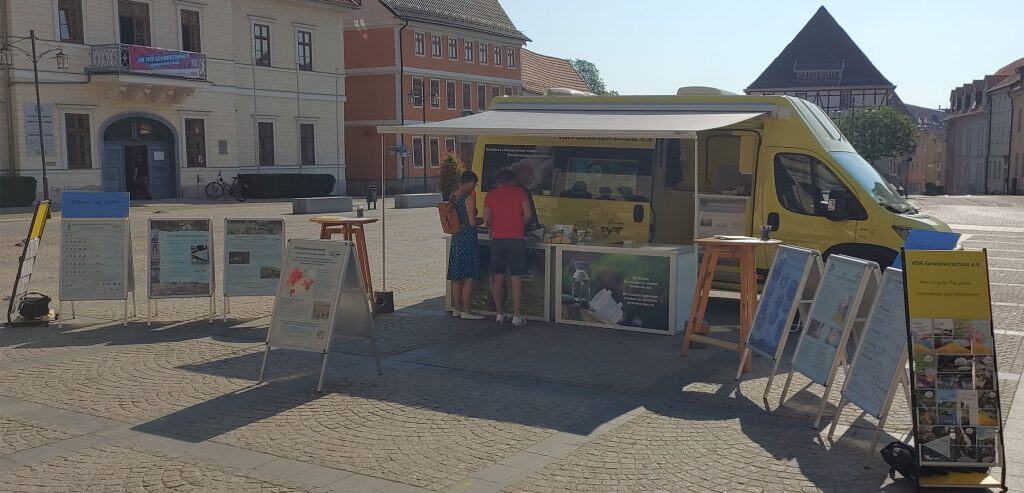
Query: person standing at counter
column 464, row 256
column 506, row 212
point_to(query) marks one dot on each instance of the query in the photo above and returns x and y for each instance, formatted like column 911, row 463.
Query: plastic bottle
column 581, row 283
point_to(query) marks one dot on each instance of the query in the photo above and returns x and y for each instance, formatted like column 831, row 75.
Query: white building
column 161, row 95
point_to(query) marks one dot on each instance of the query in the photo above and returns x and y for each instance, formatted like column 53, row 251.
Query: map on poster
column 307, row 293
column 254, row 249
column 179, row 258
column 779, row 299
column 955, row 384
column 94, row 258
column 880, row 354
column 828, row 324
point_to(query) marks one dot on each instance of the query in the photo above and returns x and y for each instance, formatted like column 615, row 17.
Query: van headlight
column 902, row 231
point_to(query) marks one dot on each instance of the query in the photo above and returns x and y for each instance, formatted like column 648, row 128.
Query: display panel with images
column 616, row 289
column 253, row 250
column 778, row 302
column 94, row 256
column 179, row 258
column 307, row 294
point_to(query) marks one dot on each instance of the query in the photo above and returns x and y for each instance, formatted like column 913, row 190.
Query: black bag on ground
column 33, row 306
column 901, row 459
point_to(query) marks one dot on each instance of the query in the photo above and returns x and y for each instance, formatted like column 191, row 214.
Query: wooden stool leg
column 694, row 304
column 700, row 298
column 748, row 302
column 325, row 233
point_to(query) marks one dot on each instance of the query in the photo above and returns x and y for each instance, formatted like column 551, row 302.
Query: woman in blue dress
column 464, row 256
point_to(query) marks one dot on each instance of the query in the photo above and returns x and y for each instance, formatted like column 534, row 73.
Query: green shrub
column 287, row 185
column 17, row 191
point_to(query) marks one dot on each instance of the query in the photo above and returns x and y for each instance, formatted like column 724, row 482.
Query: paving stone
column 20, row 434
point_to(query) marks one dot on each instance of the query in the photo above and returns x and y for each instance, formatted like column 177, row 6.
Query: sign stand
column 307, row 318
column 178, row 252
column 838, row 306
column 252, row 257
column 778, row 294
column 26, row 264
column 88, row 263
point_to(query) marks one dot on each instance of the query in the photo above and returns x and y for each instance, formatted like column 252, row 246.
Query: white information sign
column 94, row 259
column 180, row 254
column 307, row 294
column 253, row 251
column 721, row 215
column 782, row 292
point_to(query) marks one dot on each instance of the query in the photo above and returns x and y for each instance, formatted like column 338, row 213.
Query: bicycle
column 236, row 189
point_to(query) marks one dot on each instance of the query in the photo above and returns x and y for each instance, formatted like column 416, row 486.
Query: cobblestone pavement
column 459, row 406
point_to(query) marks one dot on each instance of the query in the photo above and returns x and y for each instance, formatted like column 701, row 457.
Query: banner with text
column 304, row 307
column 616, row 289
column 151, row 60
column 254, row 249
column 94, row 259
column 179, row 258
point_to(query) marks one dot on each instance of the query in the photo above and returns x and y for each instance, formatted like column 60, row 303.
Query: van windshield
column 880, row 190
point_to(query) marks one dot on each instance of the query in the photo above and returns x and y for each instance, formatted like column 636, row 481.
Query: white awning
column 661, row 124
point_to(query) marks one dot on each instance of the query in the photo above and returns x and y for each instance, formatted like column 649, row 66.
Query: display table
column 645, row 288
column 351, row 228
column 536, row 303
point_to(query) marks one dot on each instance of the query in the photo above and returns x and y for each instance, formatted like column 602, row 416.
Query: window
column 497, row 56
column 195, row 143
column 453, row 49
column 483, row 53
column 435, row 152
column 69, row 13
column 261, row 44
column 467, row 96
column 190, row 31
column 495, row 91
column 77, row 141
column 435, row 46
column 307, row 146
column 417, row 89
column 304, row 44
column 468, row 48
column 449, row 146
column 133, row 22
column 508, row 91
column 417, row 152
column 265, row 142
column 481, row 97
column 510, row 56
column 449, row 94
column 803, row 184
column 419, row 44
column 435, row 93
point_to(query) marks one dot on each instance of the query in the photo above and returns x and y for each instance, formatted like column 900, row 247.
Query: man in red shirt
column 506, row 212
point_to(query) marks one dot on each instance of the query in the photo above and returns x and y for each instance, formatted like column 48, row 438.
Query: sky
column 925, row 48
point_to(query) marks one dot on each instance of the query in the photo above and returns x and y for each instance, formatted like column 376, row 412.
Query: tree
column 879, row 132
column 592, row 76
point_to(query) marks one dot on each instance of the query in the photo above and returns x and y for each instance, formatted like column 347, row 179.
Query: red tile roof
column 542, row 72
column 486, row 16
column 355, row 4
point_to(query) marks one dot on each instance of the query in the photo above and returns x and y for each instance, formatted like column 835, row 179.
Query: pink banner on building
column 164, row 62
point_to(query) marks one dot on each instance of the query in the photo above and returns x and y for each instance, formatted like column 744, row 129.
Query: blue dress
column 464, row 256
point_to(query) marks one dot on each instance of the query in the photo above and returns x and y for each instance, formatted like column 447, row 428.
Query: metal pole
column 383, row 215
column 255, row 124
column 425, row 143
column 298, row 115
column 39, row 115
column 337, row 134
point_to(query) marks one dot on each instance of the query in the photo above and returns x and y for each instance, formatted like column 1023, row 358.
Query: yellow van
column 787, row 166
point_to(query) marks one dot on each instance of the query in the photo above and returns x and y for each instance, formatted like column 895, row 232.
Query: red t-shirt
column 506, row 205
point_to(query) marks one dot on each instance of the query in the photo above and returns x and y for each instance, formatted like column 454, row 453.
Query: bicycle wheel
column 239, row 192
column 214, row 190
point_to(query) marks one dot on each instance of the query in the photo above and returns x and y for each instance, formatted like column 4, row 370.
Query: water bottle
column 581, row 283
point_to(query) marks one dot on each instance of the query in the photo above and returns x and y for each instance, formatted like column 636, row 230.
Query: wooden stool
column 715, row 249
column 352, row 229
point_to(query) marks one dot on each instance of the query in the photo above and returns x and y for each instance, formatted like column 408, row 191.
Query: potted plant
column 451, row 171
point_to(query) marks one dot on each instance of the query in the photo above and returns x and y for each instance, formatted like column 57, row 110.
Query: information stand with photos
column 838, row 305
column 180, row 261
column 319, row 296
column 27, row 262
column 789, row 289
column 253, row 252
column 880, row 361
column 955, row 385
column 95, row 262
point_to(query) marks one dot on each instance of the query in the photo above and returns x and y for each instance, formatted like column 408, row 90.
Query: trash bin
column 371, row 197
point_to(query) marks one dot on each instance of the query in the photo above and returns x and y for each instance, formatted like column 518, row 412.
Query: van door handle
column 638, row 213
column 773, row 221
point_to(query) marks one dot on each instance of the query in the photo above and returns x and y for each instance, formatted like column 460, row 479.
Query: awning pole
column 383, row 217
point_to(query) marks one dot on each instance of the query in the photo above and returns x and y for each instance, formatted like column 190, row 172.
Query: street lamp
column 414, row 99
column 7, row 59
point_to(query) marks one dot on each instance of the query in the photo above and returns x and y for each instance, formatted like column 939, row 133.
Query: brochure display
column 253, row 251
column 643, row 288
column 180, row 261
column 957, row 418
column 536, row 283
column 836, row 308
column 881, row 357
column 27, row 260
column 320, row 294
column 790, row 286
column 95, row 261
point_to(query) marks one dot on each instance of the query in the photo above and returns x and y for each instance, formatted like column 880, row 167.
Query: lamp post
column 414, row 99
column 7, row 60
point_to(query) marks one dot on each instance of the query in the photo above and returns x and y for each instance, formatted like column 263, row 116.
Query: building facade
column 1016, row 168
column 924, row 172
column 413, row 61
column 1001, row 128
column 162, row 95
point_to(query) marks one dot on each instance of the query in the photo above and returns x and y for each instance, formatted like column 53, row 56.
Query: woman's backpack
column 450, row 222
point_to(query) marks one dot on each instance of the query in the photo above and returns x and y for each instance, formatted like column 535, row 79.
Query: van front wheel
column 881, row 255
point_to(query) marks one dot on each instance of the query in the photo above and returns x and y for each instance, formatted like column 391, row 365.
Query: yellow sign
column 39, row 220
column 947, row 284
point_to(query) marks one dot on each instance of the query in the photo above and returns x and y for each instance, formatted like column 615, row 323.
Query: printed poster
column 94, row 259
column 779, row 298
column 534, row 283
column 955, row 382
column 179, row 258
column 616, row 290
column 307, row 294
column 826, row 327
column 721, row 215
column 881, row 352
column 254, row 250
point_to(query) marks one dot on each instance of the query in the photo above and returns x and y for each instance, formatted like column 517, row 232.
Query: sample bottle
column 581, row 283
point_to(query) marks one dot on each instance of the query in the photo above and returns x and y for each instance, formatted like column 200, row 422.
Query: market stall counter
column 536, row 304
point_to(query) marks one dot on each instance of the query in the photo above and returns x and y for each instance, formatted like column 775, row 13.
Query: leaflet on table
column 825, row 325
column 93, row 259
column 614, row 289
column 780, row 292
column 179, row 258
column 881, row 352
column 254, row 251
column 307, row 294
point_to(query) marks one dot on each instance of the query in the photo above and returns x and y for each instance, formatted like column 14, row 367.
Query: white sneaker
column 501, row 318
column 471, row 316
column 456, row 313
column 518, row 321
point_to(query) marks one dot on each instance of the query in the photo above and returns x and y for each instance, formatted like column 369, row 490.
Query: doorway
column 139, row 158
column 136, row 172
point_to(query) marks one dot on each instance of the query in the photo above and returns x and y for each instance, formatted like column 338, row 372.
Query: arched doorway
column 138, row 157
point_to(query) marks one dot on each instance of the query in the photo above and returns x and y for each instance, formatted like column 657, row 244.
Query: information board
column 779, row 299
column 180, row 256
column 957, row 418
column 94, row 259
column 253, row 252
column 94, row 205
column 881, row 353
column 307, row 295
